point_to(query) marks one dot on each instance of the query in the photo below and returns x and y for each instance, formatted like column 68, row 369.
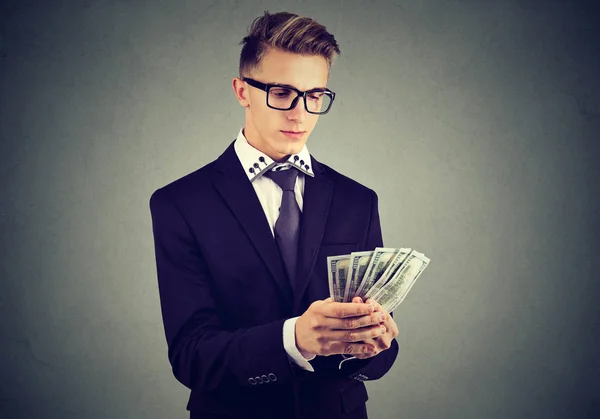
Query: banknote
column 392, row 294
column 337, row 270
column 384, row 274
column 380, row 260
column 390, row 271
column 359, row 261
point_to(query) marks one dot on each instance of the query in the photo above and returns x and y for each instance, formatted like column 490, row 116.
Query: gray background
column 475, row 121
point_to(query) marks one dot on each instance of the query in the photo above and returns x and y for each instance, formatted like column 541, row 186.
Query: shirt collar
column 256, row 163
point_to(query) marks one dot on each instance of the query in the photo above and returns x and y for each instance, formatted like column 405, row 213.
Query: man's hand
column 384, row 341
column 329, row 328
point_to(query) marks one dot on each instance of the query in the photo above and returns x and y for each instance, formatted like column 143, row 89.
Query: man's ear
column 241, row 92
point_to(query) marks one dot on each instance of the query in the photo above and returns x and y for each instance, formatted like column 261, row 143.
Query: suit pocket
column 353, row 397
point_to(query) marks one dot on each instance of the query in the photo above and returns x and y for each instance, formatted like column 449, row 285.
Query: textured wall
column 476, row 122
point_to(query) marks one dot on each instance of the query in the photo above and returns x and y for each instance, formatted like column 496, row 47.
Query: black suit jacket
column 225, row 295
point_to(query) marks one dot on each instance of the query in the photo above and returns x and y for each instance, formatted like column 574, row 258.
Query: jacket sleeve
column 375, row 367
column 201, row 352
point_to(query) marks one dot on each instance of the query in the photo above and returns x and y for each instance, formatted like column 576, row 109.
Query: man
column 241, row 247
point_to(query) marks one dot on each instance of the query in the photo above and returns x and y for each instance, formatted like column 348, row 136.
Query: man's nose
column 298, row 112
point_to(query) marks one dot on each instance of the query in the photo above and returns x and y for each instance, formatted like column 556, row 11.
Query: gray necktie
column 287, row 226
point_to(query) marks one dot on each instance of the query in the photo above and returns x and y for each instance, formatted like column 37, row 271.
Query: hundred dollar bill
column 389, row 272
column 379, row 262
column 359, row 261
column 394, row 304
column 398, row 286
column 337, row 271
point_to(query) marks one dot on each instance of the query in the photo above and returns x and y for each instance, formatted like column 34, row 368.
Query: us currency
column 394, row 304
column 398, row 286
column 359, row 261
column 337, row 272
column 380, row 260
column 390, row 271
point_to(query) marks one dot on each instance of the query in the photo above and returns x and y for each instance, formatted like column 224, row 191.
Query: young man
column 241, row 247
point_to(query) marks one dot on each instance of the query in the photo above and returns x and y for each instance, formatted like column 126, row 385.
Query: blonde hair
column 285, row 32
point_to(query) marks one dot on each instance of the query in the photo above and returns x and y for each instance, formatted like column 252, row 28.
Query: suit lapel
column 237, row 191
column 318, row 192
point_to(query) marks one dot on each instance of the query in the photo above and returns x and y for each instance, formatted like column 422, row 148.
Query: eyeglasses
column 284, row 97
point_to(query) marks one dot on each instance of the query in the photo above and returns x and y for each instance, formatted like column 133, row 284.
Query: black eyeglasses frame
column 267, row 87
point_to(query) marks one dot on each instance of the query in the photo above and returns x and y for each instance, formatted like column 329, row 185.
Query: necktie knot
column 285, row 179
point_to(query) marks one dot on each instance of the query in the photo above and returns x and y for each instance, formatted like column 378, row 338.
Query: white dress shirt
column 255, row 164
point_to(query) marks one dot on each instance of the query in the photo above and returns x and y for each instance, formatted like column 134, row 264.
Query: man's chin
column 293, row 150
column 289, row 149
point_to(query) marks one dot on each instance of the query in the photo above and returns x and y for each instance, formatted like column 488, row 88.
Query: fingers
column 380, row 344
column 357, row 335
column 354, row 328
column 353, row 322
column 376, row 350
column 359, row 300
column 389, row 322
column 378, row 307
column 343, row 310
column 392, row 327
column 356, row 349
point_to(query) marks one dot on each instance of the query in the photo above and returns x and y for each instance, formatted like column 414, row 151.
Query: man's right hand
column 329, row 328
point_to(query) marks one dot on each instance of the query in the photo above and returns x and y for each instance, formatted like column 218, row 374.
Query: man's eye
column 281, row 93
column 316, row 96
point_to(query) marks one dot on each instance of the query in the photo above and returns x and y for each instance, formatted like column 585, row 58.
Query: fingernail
column 382, row 329
column 382, row 317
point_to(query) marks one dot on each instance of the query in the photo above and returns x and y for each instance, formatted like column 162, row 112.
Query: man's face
column 266, row 128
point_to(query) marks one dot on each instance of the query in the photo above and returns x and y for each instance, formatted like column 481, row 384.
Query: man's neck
column 278, row 159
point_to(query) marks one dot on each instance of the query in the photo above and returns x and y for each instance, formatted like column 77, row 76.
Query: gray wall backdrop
column 476, row 122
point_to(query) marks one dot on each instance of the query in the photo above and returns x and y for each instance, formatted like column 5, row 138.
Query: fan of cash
column 384, row 274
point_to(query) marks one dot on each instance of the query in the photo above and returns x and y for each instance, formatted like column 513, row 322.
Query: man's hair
column 285, row 32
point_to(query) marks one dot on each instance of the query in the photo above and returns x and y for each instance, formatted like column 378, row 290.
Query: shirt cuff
column 289, row 343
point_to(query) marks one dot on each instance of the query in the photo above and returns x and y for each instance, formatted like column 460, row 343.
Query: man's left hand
column 384, row 341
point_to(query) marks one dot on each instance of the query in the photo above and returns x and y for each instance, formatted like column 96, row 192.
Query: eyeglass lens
column 282, row 98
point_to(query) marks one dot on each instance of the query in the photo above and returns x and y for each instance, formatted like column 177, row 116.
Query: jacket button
column 273, row 377
column 258, row 380
column 252, row 381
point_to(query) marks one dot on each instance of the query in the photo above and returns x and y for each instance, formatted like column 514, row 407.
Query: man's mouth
column 295, row 135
